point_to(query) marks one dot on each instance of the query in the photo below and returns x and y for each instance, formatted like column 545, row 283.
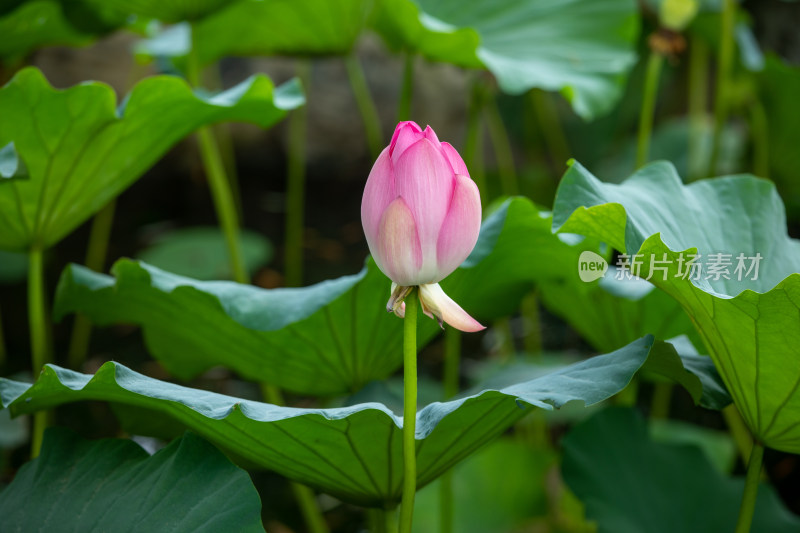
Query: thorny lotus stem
column 304, row 495
column 452, row 360
column 407, row 89
column 502, row 147
column 473, row 145
column 552, row 131
column 748, row 505
column 738, row 430
column 759, row 129
column 95, row 260
column 724, row 63
column 409, row 412
column 698, row 104
column 296, row 184
column 650, row 92
column 218, row 181
column 369, row 113
column 37, row 319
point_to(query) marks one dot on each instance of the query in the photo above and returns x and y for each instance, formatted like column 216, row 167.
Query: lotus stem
column 698, row 106
column 551, row 129
column 529, row 308
column 502, row 148
column 505, row 347
column 473, row 145
column 376, row 520
column 229, row 220
column 38, row 323
column 724, row 64
column 760, row 136
column 309, row 508
column 296, row 185
column 406, row 90
column 409, row 413
column 452, row 361
column 366, row 105
column 218, row 181
column 654, row 64
column 627, row 397
column 738, row 430
column 222, row 133
column 382, row 520
column 95, row 259
column 748, row 505
column 446, row 508
column 662, row 396
column 227, row 214
column 223, row 201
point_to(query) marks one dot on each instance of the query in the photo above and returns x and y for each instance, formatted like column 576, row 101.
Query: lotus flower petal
column 425, row 181
column 398, row 252
column 461, row 227
column 421, row 214
column 378, row 194
column 435, row 303
column 406, row 134
column 431, row 136
column 455, row 159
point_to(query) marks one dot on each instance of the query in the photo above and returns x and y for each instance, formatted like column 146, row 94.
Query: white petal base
column 435, row 304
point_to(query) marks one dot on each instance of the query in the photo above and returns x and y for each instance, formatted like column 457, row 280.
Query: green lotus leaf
column 583, row 48
column 612, row 312
column 676, row 363
column 631, row 484
column 106, row 485
column 353, row 453
column 256, row 27
column 163, row 10
column 79, row 151
column 749, row 322
column 717, row 445
column 329, row 338
column 305, row 339
column 33, row 25
column 715, row 395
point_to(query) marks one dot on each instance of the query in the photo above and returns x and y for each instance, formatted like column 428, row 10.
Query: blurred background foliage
column 517, row 86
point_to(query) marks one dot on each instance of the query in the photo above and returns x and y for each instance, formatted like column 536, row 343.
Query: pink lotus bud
column 421, row 214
